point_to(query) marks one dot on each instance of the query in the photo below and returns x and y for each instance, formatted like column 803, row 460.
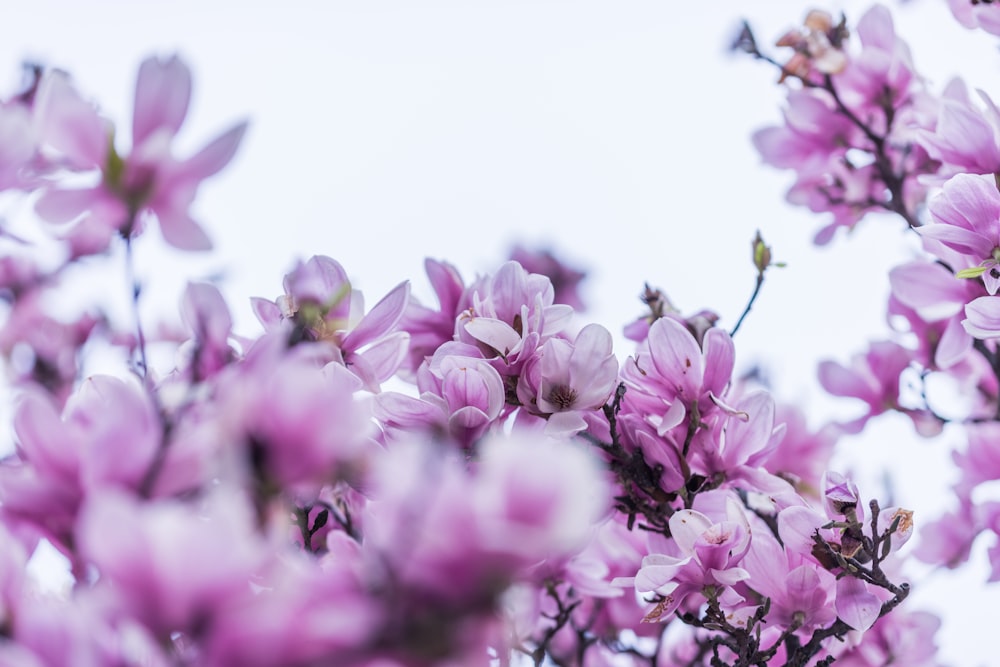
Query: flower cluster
column 482, row 480
column 937, row 157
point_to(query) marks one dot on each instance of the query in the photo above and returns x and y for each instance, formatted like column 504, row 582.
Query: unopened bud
column 761, row 254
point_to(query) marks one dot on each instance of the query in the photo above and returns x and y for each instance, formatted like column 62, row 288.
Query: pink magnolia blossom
column 566, row 380
column 461, row 395
column 813, row 131
column 672, row 375
column 967, row 220
column 298, row 419
column 106, row 437
column 883, row 72
column 800, row 592
column 512, row 314
column 171, row 565
column 874, row 378
column 320, row 305
column 709, row 556
column 149, row 180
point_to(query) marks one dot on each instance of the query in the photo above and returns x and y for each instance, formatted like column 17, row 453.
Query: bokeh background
column 615, row 133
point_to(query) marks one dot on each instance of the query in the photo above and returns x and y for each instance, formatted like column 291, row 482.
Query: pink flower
column 460, row 395
column 168, row 564
column 798, row 588
column 967, row 220
column 299, row 420
column 320, row 305
column 106, row 437
column 872, row 377
column 812, row 133
column 512, row 313
column 568, row 380
column 709, row 555
column 672, row 375
column 149, row 180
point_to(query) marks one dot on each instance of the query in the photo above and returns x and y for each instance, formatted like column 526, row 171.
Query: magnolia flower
column 568, row 380
column 149, row 180
column 709, row 559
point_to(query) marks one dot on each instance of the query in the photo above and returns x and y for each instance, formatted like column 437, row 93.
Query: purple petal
column 181, row 231
column 447, row 284
column 162, row 95
column 385, row 356
column 62, row 206
column 856, row 606
column 983, row 317
column 686, row 527
column 841, row 381
column 498, row 335
column 71, row 125
column 676, row 356
column 380, row 320
column 216, row 155
column 44, row 438
column 267, row 312
column 955, row 343
column 963, row 240
column 796, row 526
column 720, row 355
column 929, row 288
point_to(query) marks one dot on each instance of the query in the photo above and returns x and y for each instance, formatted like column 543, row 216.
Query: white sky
column 386, row 131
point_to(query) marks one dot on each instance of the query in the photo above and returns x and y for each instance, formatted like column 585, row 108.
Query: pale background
column 617, row 132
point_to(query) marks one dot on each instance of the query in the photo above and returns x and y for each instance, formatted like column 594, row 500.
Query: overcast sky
column 383, row 132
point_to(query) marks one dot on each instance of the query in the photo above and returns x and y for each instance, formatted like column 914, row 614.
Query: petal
column 841, row 381
column 162, row 95
column 71, row 125
column 720, row 355
column 216, row 155
column 797, row 525
column 205, row 313
column 676, row 356
column 856, row 605
column 983, row 317
column 44, row 438
column 963, row 240
column 955, row 343
column 686, row 527
column 267, row 312
column 62, row 206
column 565, row 424
column 929, row 288
column 498, row 335
column 447, row 284
column 181, row 231
column 385, row 356
column 380, row 320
